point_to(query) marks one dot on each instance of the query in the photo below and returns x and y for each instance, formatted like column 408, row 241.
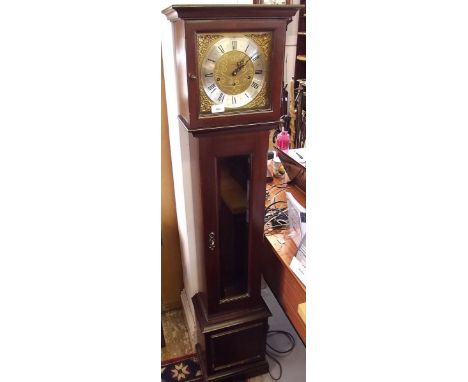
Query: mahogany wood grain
column 288, row 289
column 301, row 309
column 227, row 11
column 181, row 70
column 211, row 148
column 231, row 343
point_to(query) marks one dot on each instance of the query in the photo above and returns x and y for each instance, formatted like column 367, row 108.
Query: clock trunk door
column 233, row 168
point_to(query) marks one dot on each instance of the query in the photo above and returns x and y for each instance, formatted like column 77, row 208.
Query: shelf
column 301, row 309
column 300, row 62
column 301, row 57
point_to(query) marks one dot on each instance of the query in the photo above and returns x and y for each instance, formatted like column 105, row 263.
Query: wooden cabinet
column 238, row 53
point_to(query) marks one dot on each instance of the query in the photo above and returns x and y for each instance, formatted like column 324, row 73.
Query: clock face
column 233, row 71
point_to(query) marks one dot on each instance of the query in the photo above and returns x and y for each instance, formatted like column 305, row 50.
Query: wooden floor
column 175, row 335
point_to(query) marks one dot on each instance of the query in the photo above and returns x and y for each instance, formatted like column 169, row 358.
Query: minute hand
column 239, row 67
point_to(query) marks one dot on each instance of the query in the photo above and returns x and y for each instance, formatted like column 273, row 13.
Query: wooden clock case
column 189, row 20
column 228, row 154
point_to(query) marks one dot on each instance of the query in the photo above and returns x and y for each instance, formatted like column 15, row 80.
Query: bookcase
column 300, row 67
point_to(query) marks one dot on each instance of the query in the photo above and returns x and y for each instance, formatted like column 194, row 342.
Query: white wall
column 291, row 44
column 180, row 165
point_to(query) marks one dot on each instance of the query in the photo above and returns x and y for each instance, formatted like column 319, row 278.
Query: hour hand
column 240, row 65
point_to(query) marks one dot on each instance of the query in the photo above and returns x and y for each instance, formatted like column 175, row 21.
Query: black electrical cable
column 288, row 335
column 268, row 193
column 280, row 190
column 273, row 358
column 277, row 226
column 277, row 218
column 279, row 185
column 279, row 365
column 272, row 204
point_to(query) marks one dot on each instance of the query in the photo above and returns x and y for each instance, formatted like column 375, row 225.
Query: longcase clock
column 229, row 66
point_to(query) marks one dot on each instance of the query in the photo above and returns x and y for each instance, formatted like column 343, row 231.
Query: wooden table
column 277, row 256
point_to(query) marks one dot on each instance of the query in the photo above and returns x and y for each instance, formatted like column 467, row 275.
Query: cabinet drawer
column 237, row 346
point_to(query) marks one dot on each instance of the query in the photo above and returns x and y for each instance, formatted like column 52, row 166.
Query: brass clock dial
column 233, row 71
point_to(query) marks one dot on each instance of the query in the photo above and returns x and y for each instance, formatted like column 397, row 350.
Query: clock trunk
column 232, row 167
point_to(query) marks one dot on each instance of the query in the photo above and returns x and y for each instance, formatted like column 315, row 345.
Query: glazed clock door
column 233, row 72
column 233, row 170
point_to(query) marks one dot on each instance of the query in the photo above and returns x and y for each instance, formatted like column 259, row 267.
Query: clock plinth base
column 231, row 344
column 244, row 372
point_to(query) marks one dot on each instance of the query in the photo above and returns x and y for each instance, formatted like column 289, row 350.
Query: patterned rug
column 181, row 369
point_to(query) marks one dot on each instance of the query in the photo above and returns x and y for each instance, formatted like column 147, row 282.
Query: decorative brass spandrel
column 263, row 40
column 205, row 102
column 204, row 42
column 262, row 100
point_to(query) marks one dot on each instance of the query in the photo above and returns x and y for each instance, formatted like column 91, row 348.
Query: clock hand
column 246, row 61
column 240, row 65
